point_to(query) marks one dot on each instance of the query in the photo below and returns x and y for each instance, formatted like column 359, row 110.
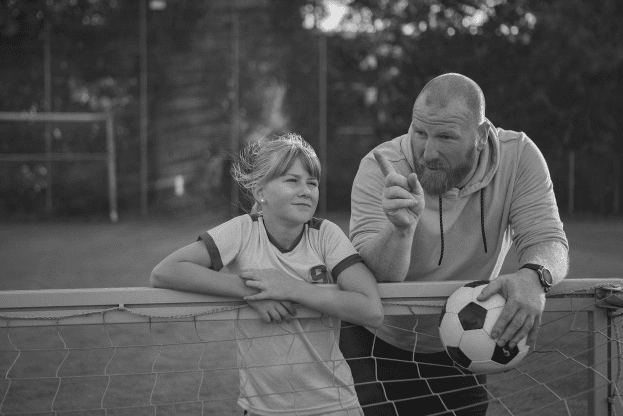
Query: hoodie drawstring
column 482, row 218
column 482, row 223
column 441, row 229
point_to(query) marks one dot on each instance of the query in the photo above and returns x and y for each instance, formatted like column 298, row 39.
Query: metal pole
column 52, row 116
column 571, row 183
column 112, row 168
column 616, row 197
column 235, row 102
column 144, row 122
column 322, row 118
column 47, row 107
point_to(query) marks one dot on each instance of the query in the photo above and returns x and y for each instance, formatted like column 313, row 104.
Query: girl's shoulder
column 324, row 227
column 241, row 222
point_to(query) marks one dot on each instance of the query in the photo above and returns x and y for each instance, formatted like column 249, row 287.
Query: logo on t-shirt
column 319, row 274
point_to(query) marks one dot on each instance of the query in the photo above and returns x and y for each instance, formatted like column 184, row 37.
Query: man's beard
column 444, row 178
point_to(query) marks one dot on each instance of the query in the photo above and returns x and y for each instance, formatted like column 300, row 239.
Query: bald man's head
column 444, row 89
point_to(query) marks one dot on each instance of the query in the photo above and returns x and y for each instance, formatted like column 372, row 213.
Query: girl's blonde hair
column 266, row 159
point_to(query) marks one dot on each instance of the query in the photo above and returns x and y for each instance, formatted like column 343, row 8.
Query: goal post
column 109, row 157
column 579, row 340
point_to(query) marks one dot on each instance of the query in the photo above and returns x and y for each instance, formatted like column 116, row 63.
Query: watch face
column 547, row 276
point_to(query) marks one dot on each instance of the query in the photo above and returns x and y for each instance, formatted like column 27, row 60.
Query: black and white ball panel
column 465, row 326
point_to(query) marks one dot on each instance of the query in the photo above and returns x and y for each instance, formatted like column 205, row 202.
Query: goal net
column 143, row 351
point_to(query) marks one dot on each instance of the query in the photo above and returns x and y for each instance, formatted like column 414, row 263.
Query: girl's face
column 291, row 198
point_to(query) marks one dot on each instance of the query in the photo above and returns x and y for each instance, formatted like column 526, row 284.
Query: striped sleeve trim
column 345, row 264
column 215, row 255
column 315, row 223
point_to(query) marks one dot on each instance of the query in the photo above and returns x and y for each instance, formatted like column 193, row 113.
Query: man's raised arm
column 388, row 251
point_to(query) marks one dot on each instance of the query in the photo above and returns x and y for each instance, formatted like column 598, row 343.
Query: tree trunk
column 571, row 183
column 616, row 195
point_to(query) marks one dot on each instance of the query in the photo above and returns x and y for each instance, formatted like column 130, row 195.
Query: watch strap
column 539, row 270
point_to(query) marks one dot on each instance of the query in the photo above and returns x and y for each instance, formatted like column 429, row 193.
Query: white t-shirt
column 297, row 367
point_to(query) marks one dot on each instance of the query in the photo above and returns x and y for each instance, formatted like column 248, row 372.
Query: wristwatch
column 545, row 276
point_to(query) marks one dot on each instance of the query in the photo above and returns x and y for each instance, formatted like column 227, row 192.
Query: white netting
column 62, row 362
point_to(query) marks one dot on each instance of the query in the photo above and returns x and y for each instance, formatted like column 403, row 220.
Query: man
column 444, row 202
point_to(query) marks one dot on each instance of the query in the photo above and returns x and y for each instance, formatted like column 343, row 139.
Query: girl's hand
column 271, row 283
column 273, row 310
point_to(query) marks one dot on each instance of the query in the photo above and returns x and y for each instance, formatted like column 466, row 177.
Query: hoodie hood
column 488, row 163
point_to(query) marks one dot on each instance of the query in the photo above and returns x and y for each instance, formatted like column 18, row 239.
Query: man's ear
column 483, row 134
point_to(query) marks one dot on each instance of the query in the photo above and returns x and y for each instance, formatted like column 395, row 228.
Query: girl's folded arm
column 357, row 302
column 189, row 269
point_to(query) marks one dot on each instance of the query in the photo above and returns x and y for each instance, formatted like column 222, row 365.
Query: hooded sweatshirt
column 465, row 233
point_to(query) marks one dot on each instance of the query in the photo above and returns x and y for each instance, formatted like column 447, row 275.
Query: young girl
column 272, row 258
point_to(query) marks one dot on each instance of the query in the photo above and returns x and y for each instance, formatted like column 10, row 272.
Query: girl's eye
column 313, row 184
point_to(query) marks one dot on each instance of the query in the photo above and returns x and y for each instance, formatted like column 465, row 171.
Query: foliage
column 91, row 71
column 550, row 68
column 93, row 52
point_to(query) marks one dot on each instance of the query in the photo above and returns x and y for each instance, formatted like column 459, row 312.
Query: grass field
column 80, row 254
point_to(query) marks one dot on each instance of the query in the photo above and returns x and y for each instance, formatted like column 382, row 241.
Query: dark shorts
column 415, row 383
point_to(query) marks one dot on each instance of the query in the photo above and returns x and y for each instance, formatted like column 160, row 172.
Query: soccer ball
column 464, row 328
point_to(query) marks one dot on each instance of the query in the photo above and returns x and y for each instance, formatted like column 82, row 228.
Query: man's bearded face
column 437, row 177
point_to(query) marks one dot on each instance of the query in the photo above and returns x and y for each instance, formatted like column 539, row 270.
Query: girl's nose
column 305, row 191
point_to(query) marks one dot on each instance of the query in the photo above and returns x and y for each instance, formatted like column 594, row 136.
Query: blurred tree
column 575, row 66
column 298, row 69
column 384, row 52
column 397, row 46
column 93, row 50
column 549, row 68
column 94, row 53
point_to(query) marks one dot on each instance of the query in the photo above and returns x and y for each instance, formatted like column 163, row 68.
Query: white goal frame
column 600, row 299
column 50, row 117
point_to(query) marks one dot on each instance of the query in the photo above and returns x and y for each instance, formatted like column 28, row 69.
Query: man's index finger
column 386, row 166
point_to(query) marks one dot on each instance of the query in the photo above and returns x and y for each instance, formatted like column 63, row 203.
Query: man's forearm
column 388, row 253
column 552, row 254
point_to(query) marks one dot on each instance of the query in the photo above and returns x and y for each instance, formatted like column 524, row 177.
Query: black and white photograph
column 311, row 207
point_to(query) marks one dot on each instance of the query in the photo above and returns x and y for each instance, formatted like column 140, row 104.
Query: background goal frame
column 48, row 156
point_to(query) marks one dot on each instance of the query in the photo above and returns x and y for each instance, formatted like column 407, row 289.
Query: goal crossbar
column 407, row 298
column 25, row 299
